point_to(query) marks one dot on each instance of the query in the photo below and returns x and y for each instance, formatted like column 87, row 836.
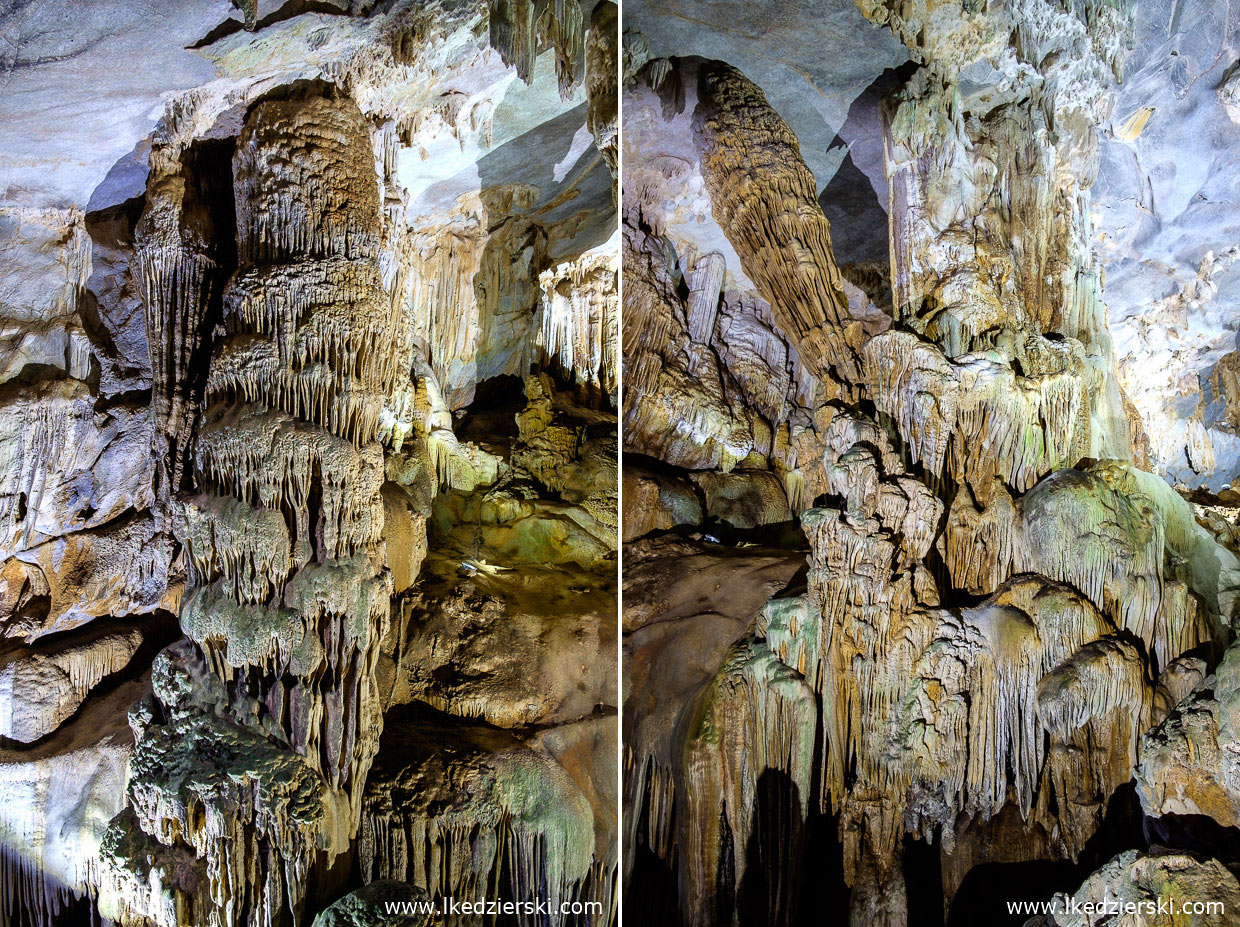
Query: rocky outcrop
column 384, row 901
column 1160, row 889
column 512, row 646
column 38, row 691
column 1190, row 764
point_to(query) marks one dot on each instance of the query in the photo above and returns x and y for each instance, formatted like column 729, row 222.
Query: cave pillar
column 267, row 716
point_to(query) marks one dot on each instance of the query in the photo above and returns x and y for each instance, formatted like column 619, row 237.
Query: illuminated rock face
column 1008, row 617
column 309, row 366
column 268, row 714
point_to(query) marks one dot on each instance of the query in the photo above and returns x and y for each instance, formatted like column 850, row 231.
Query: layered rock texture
column 308, row 486
column 919, row 617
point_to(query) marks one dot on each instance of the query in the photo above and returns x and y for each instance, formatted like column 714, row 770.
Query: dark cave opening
column 207, row 166
column 1197, row 834
column 490, row 421
column 586, row 395
column 823, row 896
column 988, row 889
column 794, row 867
column 767, row 890
column 651, row 892
column 923, row 882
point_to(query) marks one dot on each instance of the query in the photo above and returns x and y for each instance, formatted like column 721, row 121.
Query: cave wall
column 309, row 369
column 1008, row 595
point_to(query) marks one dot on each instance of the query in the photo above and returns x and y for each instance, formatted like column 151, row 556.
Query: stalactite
column 602, row 93
column 178, row 267
column 765, row 200
column 579, row 310
column 668, row 382
column 705, row 284
column 977, row 540
column 470, row 283
column 34, row 899
column 519, row 27
column 972, row 270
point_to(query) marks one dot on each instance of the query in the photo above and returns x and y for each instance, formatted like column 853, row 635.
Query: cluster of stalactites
column 215, row 777
column 310, row 358
column 519, row 29
column 580, row 314
column 602, row 94
column 314, row 338
column 650, row 318
column 930, row 714
column 976, row 418
column 1099, row 530
column 178, row 272
column 1002, row 288
column 972, row 269
column 288, row 597
column 469, row 286
column 459, row 824
column 752, row 731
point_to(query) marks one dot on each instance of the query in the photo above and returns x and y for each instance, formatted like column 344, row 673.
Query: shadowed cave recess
column 929, row 539
column 308, row 463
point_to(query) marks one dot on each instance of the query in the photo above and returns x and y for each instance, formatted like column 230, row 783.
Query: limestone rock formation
column 377, row 904
column 38, row 691
column 267, row 283
column 1009, row 620
column 1159, row 889
column 1190, row 764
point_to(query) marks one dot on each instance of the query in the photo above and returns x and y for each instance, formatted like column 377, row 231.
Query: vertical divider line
column 620, row 829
